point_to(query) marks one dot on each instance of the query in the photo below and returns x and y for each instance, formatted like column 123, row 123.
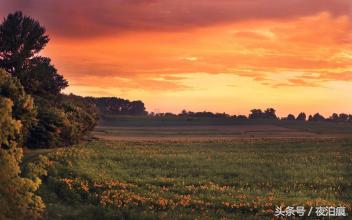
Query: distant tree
column 21, row 39
column 241, row 117
column 334, row 117
column 343, row 117
column 256, row 114
column 169, row 114
column 113, row 105
column 183, row 113
column 316, row 117
column 290, row 117
column 301, row 117
column 339, row 117
column 270, row 113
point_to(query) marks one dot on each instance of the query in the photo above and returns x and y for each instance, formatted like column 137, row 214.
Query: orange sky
column 226, row 55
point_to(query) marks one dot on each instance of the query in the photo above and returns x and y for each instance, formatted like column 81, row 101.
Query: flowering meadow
column 242, row 179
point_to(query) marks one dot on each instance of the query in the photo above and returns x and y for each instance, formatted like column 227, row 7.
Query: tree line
column 259, row 114
column 117, row 106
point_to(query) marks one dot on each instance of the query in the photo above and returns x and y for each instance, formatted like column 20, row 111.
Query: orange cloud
column 191, row 52
column 87, row 18
column 265, row 51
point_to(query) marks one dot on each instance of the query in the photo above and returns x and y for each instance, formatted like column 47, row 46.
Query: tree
column 334, row 117
column 270, row 113
column 21, row 39
column 42, row 78
column 23, row 105
column 301, row 117
column 113, row 105
column 62, row 124
column 290, row 117
column 343, row 117
column 17, row 198
column 316, row 117
column 256, row 114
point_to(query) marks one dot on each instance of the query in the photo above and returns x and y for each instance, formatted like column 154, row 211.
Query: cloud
column 88, row 18
column 137, row 83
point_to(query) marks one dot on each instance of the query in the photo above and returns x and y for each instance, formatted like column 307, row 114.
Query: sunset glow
column 222, row 56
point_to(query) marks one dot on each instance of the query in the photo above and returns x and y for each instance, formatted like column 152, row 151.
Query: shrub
column 23, row 106
column 17, row 199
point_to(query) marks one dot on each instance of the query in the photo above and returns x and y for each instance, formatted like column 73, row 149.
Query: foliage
column 42, row 79
column 62, row 124
column 47, row 132
column 316, row 117
column 259, row 114
column 118, row 106
column 21, row 39
column 301, row 116
column 23, row 105
column 53, row 122
column 17, row 198
column 81, row 117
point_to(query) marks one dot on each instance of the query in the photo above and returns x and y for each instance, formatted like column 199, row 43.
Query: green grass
column 189, row 180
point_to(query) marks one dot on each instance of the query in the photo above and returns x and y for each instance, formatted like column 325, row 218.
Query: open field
column 144, row 128
column 197, row 172
column 200, row 133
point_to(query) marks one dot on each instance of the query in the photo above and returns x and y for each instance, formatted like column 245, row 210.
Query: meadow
column 211, row 172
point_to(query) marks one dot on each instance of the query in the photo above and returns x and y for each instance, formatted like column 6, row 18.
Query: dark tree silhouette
column 256, row 114
column 301, row 116
column 316, row 117
column 42, row 78
column 118, row 106
column 343, row 117
column 270, row 113
column 339, row 117
column 290, row 117
column 21, row 39
column 334, row 117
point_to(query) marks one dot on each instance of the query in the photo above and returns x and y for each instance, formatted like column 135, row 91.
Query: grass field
column 163, row 173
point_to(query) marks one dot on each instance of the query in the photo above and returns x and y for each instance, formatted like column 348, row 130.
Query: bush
column 17, row 199
column 23, row 106
column 62, row 123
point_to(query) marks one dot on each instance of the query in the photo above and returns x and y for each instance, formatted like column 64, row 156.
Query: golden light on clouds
column 298, row 62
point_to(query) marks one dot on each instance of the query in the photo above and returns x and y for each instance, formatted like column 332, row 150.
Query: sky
column 203, row 55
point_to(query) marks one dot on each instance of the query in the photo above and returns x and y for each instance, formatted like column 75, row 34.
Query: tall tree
column 21, row 39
